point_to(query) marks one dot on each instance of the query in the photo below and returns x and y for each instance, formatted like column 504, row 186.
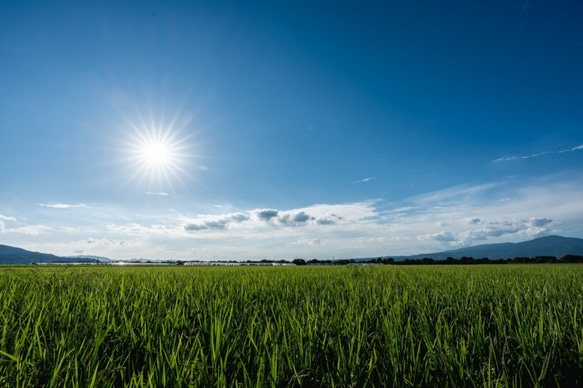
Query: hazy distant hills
column 544, row 246
column 12, row 255
column 88, row 258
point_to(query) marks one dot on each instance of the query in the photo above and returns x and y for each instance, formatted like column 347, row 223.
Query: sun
column 157, row 155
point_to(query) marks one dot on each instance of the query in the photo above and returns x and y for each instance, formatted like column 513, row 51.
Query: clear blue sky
column 283, row 129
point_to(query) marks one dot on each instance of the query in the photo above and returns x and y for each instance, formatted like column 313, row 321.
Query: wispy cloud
column 63, row 205
column 580, row 147
column 31, row 230
column 3, row 224
column 440, row 236
column 507, row 211
column 139, row 230
column 372, row 178
column 104, row 242
column 455, row 194
column 538, row 154
column 161, row 193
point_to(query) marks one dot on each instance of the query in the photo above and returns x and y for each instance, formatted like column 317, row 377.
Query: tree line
column 447, row 261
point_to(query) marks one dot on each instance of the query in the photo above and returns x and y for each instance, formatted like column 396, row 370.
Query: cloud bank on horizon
column 229, row 130
column 451, row 218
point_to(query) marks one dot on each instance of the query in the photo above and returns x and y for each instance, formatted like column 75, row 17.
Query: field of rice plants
column 507, row 325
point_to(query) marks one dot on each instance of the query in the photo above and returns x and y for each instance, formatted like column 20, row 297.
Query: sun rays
column 158, row 154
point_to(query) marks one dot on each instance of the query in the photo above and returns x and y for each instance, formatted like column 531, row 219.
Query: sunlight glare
column 156, row 153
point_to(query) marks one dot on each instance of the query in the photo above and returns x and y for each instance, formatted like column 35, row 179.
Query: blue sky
column 262, row 129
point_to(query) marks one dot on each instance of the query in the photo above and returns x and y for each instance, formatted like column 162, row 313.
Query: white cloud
column 138, row 230
column 215, row 222
column 372, row 178
column 440, row 236
column 538, row 154
column 435, row 221
column 494, row 228
column 63, row 205
column 266, row 214
column 456, row 194
column 260, row 218
column 295, row 219
column 104, row 242
column 31, row 230
column 160, row 193
column 579, row 147
column 238, row 217
column 311, row 242
column 534, row 232
column 525, row 212
column 404, row 209
column 539, row 221
column 458, row 216
column 301, row 217
column 325, row 221
column 195, row 227
column 3, row 224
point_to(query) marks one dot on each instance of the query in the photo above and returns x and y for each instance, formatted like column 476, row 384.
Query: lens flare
column 157, row 155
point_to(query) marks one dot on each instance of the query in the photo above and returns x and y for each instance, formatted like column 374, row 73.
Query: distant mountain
column 12, row 255
column 88, row 258
column 543, row 246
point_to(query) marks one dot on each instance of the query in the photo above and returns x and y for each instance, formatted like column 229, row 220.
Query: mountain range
column 12, row 255
column 557, row 246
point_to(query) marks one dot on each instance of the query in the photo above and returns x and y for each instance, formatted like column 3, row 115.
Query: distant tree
column 545, row 259
column 521, row 260
column 571, row 259
column 299, row 262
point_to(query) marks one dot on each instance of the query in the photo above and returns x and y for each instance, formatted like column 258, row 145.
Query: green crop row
column 291, row 326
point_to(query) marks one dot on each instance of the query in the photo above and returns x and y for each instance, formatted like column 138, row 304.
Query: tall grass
column 291, row 326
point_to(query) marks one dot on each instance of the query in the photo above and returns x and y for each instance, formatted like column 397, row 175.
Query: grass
column 291, row 326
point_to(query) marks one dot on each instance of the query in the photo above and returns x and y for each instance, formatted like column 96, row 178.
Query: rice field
column 350, row 326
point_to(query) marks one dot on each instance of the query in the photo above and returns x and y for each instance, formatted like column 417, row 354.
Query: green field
column 292, row 326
